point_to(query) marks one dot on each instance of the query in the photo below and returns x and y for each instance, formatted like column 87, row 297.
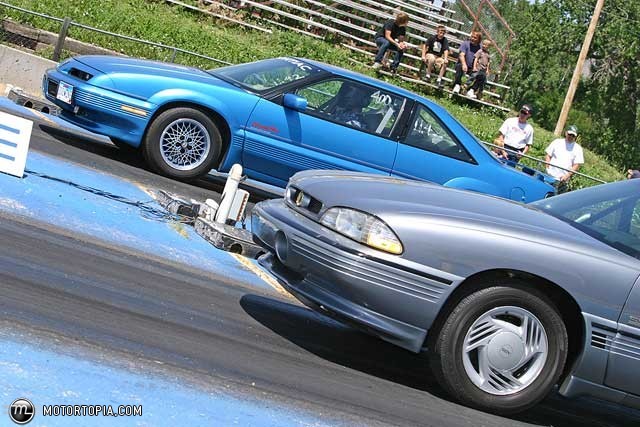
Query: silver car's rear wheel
column 505, row 350
column 185, row 144
column 500, row 348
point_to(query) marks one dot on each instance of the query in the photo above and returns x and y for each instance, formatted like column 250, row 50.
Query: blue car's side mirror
column 295, row 102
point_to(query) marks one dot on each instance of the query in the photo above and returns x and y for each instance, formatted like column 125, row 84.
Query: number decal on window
column 381, row 98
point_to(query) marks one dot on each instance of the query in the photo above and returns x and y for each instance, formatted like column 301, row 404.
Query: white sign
column 15, row 134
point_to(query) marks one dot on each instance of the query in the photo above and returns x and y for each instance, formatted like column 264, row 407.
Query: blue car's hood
column 116, row 65
column 145, row 78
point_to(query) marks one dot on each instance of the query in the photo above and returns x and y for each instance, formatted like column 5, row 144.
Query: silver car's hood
column 395, row 199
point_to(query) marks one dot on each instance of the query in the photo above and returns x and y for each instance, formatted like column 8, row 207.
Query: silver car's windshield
column 609, row 213
column 262, row 76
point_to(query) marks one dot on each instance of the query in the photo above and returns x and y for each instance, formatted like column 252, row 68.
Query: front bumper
column 99, row 110
column 346, row 280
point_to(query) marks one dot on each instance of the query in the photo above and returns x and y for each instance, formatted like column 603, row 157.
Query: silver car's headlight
column 363, row 228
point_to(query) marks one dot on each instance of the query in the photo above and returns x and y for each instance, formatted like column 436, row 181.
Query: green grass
column 160, row 22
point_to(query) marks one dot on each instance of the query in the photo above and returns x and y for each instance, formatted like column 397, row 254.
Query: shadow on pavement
column 134, row 158
column 351, row 348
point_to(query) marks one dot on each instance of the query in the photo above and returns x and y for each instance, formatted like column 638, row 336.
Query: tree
column 542, row 58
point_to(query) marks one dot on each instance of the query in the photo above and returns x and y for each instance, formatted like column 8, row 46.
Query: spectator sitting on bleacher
column 391, row 37
column 435, row 51
column 480, row 71
column 466, row 57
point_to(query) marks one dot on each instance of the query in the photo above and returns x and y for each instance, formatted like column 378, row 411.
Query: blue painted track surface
column 107, row 208
column 98, row 205
column 51, row 378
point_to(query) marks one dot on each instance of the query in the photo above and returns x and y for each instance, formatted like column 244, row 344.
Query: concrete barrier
column 23, row 70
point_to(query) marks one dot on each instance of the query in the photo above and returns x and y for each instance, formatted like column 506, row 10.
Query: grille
column 91, row 100
column 601, row 336
column 303, row 201
column 369, row 271
column 52, row 87
column 82, row 75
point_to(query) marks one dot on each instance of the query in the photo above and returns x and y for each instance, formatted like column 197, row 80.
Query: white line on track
column 261, row 274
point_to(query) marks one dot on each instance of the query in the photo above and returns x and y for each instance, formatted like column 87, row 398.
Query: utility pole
column 568, row 100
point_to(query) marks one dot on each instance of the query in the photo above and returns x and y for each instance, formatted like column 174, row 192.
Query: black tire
column 446, row 348
column 153, row 149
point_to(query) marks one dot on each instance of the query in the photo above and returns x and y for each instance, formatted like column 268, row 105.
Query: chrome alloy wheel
column 185, row 144
column 505, row 350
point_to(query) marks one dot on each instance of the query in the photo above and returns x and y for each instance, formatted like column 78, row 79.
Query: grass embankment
column 176, row 26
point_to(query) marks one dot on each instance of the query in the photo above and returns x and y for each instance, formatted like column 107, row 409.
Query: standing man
column 391, row 37
column 564, row 153
column 466, row 56
column 516, row 134
column 436, row 51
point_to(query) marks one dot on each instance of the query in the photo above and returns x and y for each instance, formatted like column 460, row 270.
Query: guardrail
column 158, row 51
column 538, row 162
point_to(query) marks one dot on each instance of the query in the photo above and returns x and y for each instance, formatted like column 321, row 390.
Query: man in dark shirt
column 436, row 51
column 466, row 56
column 391, row 37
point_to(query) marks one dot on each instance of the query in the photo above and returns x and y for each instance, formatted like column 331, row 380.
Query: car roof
column 455, row 125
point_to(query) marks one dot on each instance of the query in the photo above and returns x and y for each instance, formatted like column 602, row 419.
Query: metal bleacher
column 353, row 24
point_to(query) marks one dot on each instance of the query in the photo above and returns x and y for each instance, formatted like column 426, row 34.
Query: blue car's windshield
column 266, row 75
column 609, row 213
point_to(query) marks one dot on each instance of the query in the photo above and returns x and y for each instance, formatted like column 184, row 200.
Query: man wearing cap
column 516, row 135
column 564, row 156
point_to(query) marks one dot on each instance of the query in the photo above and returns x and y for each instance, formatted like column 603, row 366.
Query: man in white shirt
column 516, row 134
column 564, row 156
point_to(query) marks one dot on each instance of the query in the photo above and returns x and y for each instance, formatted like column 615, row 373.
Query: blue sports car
column 277, row 117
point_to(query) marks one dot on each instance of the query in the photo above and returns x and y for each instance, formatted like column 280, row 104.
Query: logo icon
column 506, row 351
column 21, row 411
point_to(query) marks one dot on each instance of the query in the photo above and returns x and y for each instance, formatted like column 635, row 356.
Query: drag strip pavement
column 80, row 273
column 201, row 326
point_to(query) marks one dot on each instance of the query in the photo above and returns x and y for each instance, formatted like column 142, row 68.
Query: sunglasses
column 526, row 112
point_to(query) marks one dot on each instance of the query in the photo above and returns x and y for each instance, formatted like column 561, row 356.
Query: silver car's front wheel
column 505, row 350
column 185, row 144
column 500, row 348
column 182, row 143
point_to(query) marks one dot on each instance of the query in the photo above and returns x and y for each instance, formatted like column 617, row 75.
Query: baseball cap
column 526, row 108
column 572, row 130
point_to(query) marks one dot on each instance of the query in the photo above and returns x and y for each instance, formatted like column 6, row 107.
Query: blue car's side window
column 426, row 132
column 353, row 104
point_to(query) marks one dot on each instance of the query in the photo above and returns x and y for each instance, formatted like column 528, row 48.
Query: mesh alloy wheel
column 185, row 144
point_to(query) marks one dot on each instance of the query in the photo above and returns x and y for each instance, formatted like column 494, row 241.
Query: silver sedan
column 505, row 300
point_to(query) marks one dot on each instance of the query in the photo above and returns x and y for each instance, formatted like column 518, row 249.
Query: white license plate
column 65, row 92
